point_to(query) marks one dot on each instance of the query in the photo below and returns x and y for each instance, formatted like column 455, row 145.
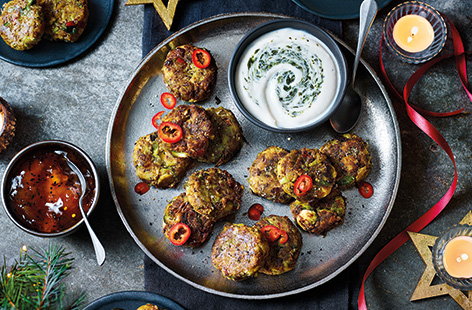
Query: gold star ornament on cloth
column 166, row 13
column 424, row 289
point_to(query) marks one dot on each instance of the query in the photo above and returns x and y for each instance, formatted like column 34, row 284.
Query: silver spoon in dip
column 98, row 247
column 347, row 114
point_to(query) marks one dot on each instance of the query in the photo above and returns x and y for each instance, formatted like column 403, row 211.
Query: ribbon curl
column 414, row 113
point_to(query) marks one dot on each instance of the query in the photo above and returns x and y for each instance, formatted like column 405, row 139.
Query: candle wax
column 413, row 33
column 458, row 257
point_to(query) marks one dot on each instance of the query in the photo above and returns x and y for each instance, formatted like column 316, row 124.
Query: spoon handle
column 367, row 13
column 97, row 245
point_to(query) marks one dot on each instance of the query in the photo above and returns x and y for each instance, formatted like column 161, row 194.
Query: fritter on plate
column 309, row 162
column 282, row 257
column 239, row 251
column 319, row 217
column 351, row 157
column 262, row 175
column 185, row 80
column 148, row 307
column 228, row 137
column 65, row 19
column 8, row 121
column 197, row 130
column 156, row 165
column 21, row 24
column 214, row 192
column 179, row 210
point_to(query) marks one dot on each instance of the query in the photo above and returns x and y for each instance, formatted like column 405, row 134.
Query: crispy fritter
column 214, row 192
column 156, row 165
column 197, row 130
column 319, row 217
column 282, row 257
column 262, row 175
column 9, row 124
column 179, row 210
column 228, row 137
column 239, row 251
column 351, row 157
column 184, row 79
column 21, row 24
column 65, row 19
column 312, row 163
column 148, row 307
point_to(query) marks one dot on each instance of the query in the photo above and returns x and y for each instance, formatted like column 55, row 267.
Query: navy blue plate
column 131, row 300
column 48, row 54
column 336, row 9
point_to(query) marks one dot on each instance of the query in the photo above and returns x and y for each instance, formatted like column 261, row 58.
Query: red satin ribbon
column 415, row 116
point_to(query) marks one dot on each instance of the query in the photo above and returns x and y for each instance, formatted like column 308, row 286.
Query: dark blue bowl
column 300, row 25
column 131, row 300
column 48, row 54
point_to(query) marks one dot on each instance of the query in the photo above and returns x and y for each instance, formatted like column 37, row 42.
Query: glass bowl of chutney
column 40, row 192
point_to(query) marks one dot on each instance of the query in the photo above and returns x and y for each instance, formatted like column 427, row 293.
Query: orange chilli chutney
column 44, row 192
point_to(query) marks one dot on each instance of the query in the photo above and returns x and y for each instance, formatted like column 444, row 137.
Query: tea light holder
column 439, row 254
column 424, row 11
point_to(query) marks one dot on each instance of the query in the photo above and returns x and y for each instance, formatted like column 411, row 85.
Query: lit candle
column 457, row 257
column 413, row 33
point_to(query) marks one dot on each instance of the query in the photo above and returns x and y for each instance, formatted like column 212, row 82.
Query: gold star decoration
column 424, row 289
column 166, row 13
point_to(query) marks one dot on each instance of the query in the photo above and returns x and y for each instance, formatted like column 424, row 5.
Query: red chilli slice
column 179, row 234
column 255, row 211
column 168, row 100
column 365, row 189
column 302, row 185
column 141, row 188
column 201, row 58
column 170, row 132
column 156, row 118
column 283, row 236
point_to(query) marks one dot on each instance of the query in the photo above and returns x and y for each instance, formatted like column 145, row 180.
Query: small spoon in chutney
column 97, row 245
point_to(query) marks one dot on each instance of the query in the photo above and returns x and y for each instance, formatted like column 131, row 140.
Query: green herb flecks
column 298, row 78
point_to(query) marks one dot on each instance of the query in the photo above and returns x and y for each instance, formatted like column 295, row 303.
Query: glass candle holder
column 415, row 17
column 439, row 251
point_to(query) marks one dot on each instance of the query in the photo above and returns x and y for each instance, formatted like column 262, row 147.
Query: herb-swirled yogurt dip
column 287, row 78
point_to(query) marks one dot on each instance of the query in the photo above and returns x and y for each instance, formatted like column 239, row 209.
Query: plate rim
column 132, row 293
column 301, row 4
column 202, row 287
column 63, row 60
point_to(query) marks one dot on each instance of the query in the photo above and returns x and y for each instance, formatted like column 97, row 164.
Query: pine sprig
column 36, row 281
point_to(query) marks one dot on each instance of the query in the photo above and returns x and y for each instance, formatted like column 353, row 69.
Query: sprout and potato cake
column 156, row 165
column 262, row 175
column 309, row 162
column 319, row 217
column 214, row 192
column 228, row 137
column 21, row 24
column 148, row 307
column 179, row 210
column 65, row 19
column 351, row 157
column 282, row 257
column 239, row 251
column 197, row 131
column 185, row 80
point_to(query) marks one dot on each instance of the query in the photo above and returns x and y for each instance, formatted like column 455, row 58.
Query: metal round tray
column 322, row 258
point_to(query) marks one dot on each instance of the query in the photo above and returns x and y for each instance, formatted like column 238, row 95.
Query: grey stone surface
column 74, row 103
